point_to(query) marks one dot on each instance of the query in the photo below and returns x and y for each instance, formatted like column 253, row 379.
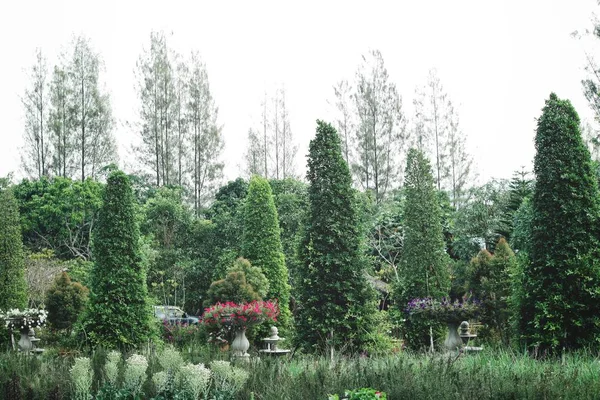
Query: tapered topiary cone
column 560, row 307
column 118, row 314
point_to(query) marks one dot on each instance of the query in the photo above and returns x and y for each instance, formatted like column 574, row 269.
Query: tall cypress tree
column 13, row 287
column 118, row 314
column 561, row 296
column 424, row 264
column 262, row 243
column 333, row 293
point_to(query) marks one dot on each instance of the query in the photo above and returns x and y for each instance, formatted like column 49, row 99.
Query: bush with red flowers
column 230, row 315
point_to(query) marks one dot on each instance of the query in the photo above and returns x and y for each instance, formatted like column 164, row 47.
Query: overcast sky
column 498, row 60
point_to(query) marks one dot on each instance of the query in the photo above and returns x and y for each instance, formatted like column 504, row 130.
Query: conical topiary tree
column 13, row 287
column 334, row 296
column 262, row 243
column 118, row 314
column 560, row 303
column 424, row 265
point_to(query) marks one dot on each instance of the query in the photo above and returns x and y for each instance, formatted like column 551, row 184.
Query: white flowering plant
column 81, row 378
column 24, row 319
column 228, row 379
column 194, row 380
column 135, row 373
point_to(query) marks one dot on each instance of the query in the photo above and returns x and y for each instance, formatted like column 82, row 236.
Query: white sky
column 498, row 60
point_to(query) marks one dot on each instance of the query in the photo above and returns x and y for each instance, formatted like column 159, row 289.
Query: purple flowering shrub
column 444, row 310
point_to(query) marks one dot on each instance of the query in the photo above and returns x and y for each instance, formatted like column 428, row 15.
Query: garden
column 281, row 289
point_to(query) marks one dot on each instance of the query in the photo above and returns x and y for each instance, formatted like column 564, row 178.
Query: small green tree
column 233, row 288
column 424, row 269
column 561, row 284
column 243, row 283
column 502, row 266
column 65, row 301
column 478, row 274
column 335, row 300
column 13, row 286
column 488, row 279
column 118, row 314
column 261, row 243
column 254, row 276
column 520, row 187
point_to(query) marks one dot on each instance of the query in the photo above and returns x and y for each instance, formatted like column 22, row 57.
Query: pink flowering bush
column 240, row 316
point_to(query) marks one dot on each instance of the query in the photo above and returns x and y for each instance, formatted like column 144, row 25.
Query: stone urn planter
column 25, row 343
column 453, row 341
column 240, row 344
column 445, row 310
column 24, row 322
column 222, row 319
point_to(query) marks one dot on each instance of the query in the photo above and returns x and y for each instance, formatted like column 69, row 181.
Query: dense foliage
column 13, row 287
column 118, row 313
column 562, row 283
column 59, row 214
column 333, row 292
column 291, row 200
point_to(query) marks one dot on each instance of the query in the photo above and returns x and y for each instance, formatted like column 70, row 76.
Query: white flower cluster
column 228, row 378
column 195, row 379
column 112, row 367
column 161, row 381
column 170, row 360
column 135, row 373
column 28, row 318
column 81, row 377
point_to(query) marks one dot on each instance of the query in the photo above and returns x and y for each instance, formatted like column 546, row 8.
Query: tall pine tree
column 333, row 293
column 118, row 314
column 561, row 303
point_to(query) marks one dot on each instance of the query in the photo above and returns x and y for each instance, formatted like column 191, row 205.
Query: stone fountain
column 271, row 344
column 467, row 336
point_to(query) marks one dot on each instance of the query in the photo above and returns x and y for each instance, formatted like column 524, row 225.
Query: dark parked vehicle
column 174, row 315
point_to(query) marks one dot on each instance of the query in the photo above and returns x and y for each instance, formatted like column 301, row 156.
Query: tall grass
column 498, row 375
column 492, row 374
column 38, row 377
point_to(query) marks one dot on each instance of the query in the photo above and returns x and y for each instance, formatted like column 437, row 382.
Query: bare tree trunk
column 265, row 135
column 375, row 156
column 82, row 130
column 276, row 137
column 196, row 166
